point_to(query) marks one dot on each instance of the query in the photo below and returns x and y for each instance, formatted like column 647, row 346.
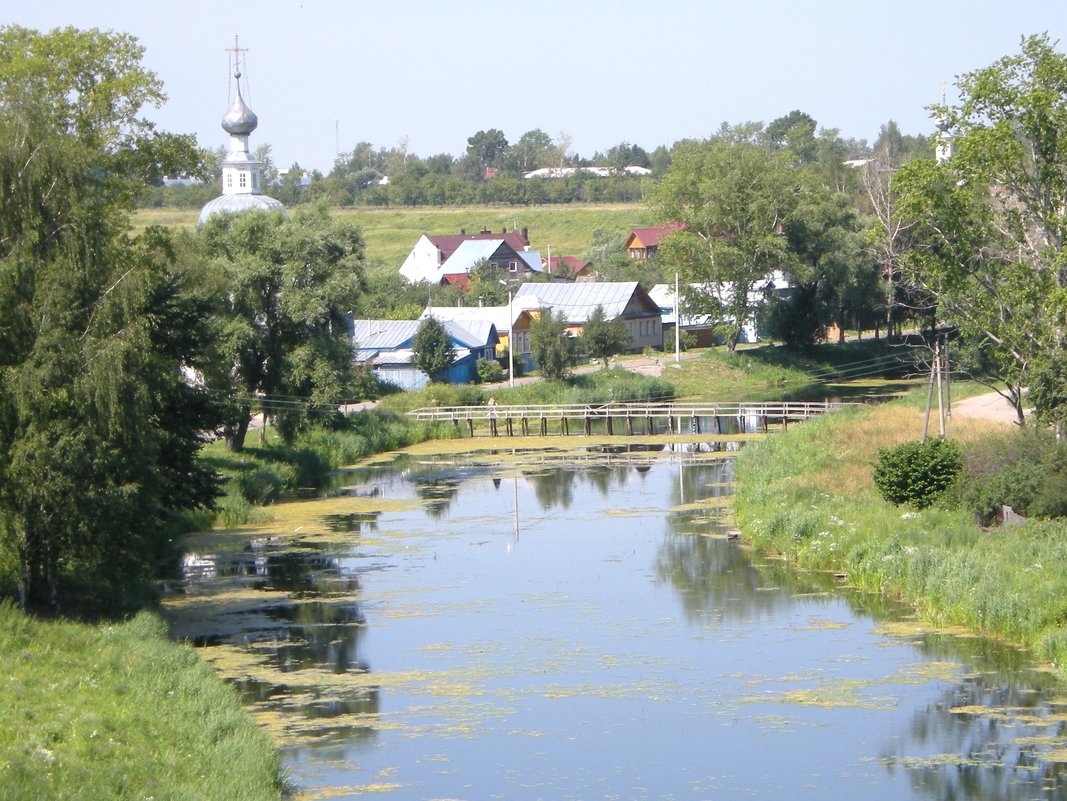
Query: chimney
column 462, row 231
column 525, row 233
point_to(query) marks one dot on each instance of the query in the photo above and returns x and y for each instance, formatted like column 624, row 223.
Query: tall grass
column 808, row 494
column 108, row 713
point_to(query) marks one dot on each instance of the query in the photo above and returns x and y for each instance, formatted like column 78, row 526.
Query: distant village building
column 642, row 243
column 430, row 260
column 624, row 300
column 385, row 347
column 241, row 175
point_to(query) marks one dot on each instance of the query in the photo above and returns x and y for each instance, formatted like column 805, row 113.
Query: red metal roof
column 653, row 237
column 573, row 263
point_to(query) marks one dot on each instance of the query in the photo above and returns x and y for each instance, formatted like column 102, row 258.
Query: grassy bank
column 808, row 494
column 119, row 712
column 866, row 370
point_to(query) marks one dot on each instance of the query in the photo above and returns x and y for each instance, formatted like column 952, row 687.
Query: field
column 391, row 232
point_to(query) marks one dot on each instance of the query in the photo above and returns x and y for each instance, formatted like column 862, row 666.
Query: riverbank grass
column 115, row 712
column 808, row 494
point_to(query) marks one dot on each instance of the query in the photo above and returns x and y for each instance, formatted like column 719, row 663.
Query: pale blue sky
column 602, row 71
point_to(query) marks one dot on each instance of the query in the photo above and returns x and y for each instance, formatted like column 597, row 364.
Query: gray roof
column 578, row 301
column 371, row 337
column 236, row 204
column 464, row 315
column 468, row 254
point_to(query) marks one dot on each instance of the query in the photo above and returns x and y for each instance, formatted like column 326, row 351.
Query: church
column 241, row 178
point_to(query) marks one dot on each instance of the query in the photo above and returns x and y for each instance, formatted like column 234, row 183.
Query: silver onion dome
column 240, row 119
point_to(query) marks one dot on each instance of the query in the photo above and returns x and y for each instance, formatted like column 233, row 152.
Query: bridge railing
column 773, row 410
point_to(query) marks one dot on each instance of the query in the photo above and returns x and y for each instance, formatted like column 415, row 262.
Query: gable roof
column 468, row 253
column 373, row 336
column 573, row 263
column 578, row 301
column 653, row 237
column 448, row 243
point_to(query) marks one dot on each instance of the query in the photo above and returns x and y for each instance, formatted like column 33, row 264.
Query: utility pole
column 677, row 325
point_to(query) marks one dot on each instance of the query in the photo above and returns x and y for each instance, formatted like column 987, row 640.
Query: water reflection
column 617, row 649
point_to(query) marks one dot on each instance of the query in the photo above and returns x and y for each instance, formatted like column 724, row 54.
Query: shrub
column 490, row 371
column 917, row 473
column 266, row 483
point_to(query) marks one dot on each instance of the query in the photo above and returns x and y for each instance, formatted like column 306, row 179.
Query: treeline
column 491, row 170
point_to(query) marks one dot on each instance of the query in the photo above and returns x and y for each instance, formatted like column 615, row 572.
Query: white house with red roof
column 430, row 253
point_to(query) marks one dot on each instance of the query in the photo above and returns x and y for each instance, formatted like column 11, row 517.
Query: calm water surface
column 547, row 625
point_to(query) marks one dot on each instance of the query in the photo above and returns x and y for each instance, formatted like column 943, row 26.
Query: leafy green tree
column 990, row 221
column 532, row 150
column 550, row 346
column 603, row 338
column 485, row 284
column 288, row 283
column 822, row 232
column 433, row 349
column 99, row 430
column 484, row 149
column 734, row 199
column 794, row 132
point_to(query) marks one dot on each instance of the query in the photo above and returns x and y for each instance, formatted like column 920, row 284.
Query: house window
column 513, row 266
column 229, row 180
column 243, row 180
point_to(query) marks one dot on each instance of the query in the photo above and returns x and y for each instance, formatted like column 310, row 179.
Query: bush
column 265, row 484
column 918, row 473
column 490, row 371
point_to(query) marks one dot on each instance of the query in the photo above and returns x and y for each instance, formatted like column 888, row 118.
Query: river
column 550, row 624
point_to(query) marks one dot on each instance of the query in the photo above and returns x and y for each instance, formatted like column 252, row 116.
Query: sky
column 323, row 75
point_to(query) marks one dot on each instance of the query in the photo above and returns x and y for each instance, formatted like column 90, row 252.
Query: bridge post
column 525, row 425
column 629, row 425
column 544, row 426
column 588, row 424
column 564, row 425
column 607, row 422
column 470, row 426
column 694, row 424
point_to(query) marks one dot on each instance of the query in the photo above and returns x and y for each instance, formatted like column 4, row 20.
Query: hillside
column 390, row 232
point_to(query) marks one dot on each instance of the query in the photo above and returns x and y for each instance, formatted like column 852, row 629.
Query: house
column 512, row 264
column 570, row 266
column 703, row 325
column 385, row 345
column 642, row 243
column 624, row 300
column 508, row 321
column 424, row 261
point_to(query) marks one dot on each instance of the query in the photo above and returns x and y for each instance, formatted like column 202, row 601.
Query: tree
column 485, row 286
column 98, row 429
column 531, row 151
column 733, row 199
column 822, row 232
column 603, row 338
column 550, row 346
column 991, row 223
column 484, row 149
column 288, row 284
column 433, row 349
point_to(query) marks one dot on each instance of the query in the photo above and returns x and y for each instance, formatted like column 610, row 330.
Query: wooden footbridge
column 629, row 419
